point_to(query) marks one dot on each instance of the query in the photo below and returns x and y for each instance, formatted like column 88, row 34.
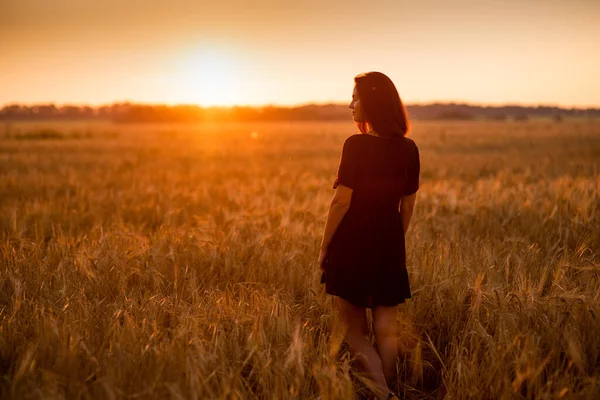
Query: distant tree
column 45, row 111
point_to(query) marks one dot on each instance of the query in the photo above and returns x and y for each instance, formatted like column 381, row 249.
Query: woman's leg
column 355, row 319
column 384, row 325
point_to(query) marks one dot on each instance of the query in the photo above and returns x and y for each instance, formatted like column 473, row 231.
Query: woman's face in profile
column 355, row 107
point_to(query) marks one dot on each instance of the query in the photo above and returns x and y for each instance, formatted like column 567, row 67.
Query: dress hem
column 366, row 305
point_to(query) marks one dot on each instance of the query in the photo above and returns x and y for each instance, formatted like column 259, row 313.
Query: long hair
column 381, row 105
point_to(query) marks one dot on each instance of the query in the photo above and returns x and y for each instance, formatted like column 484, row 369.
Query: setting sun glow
column 208, row 78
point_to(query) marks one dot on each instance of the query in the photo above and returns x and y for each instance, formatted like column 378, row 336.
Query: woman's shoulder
column 410, row 142
column 354, row 138
column 359, row 140
column 353, row 141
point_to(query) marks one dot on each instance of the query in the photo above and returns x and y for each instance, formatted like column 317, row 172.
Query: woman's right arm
column 407, row 205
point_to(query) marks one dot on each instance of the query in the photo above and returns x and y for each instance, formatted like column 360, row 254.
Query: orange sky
column 300, row 51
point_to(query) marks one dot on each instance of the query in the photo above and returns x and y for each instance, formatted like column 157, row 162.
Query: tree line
column 132, row 113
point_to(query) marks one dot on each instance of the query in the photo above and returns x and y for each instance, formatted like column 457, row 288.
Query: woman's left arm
column 340, row 203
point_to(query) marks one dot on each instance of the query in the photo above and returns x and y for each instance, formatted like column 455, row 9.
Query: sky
column 256, row 52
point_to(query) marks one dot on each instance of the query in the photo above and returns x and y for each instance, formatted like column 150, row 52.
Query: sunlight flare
column 209, row 78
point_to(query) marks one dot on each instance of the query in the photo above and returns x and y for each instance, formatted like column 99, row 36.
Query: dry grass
column 180, row 262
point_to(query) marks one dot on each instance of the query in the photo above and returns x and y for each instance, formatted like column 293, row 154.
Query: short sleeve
column 414, row 170
column 348, row 169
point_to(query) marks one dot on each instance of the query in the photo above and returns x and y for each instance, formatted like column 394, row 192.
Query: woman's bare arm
column 340, row 203
column 407, row 205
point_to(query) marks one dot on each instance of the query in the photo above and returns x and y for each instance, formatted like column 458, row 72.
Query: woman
column 362, row 253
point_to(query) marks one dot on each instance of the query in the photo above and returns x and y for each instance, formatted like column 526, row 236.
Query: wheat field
column 179, row 261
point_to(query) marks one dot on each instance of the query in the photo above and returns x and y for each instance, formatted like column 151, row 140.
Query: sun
column 209, row 78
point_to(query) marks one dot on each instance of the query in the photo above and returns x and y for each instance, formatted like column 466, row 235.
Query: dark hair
column 381, row 105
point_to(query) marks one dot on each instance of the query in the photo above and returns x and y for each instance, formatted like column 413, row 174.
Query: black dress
column 366, row 259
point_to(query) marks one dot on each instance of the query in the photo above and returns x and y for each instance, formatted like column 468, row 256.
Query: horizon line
column 302, row 104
